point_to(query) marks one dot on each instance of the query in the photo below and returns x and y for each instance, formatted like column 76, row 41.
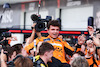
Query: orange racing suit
column 60, row 47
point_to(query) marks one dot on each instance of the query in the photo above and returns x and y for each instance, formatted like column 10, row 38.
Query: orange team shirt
column 99, row 61
column 78, row 48
column 92, row 62
column 60, row 47
column 86, row 52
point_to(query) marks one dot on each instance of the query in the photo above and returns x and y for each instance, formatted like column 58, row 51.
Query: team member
column 59, row 45
column 45, row 55
column 79, row 62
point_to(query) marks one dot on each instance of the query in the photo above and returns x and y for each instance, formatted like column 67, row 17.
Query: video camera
column 41, row 25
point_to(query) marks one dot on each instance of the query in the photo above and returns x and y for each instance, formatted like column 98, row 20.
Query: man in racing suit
column 60, row 47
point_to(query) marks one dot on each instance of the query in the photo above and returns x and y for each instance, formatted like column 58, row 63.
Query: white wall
column 20, row 38
column 75, row 18
column 29, row 22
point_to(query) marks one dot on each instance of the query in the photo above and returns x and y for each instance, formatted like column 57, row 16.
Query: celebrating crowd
column 53, row 51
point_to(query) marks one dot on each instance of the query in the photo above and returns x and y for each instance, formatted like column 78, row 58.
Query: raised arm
column 33, row 34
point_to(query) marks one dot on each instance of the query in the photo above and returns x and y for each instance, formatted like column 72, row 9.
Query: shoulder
column 46, row 39
column 41, row 38
column 56, row 60
column 42, row 65
column 39, row 62
column 37, row 57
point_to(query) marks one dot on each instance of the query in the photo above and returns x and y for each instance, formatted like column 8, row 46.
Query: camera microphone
column 34, row 17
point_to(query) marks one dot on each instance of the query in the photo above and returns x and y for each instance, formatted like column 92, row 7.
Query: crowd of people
column 53, row 51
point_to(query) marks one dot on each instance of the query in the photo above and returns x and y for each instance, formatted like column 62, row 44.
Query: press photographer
column 4, row 37
column 4, row 42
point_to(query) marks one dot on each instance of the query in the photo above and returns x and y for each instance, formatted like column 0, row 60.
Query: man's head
column 76, row 54
column 11, row 53
column 81, row 39
column 46, row 49
column 19, row 49
column 53, row 28
column 79, row 62
column 89, row 43
column 21, row 61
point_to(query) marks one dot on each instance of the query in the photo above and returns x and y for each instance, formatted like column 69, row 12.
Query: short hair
column 79, row 62
column 10, row 51
column 45, row 47
column 53, row 23
column 18, row 48
column 23, row 62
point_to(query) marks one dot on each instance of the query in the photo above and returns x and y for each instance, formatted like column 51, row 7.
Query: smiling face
column 89, row 43
column 53, row 31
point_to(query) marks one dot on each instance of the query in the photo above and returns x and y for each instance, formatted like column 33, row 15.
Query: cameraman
column 59, row 45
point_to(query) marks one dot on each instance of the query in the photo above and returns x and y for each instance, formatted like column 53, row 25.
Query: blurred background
column 73, row 15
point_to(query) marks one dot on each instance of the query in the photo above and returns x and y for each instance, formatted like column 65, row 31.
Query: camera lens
column 40, row 26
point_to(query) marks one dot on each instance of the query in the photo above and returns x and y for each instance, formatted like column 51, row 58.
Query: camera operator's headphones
column 11, row 63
